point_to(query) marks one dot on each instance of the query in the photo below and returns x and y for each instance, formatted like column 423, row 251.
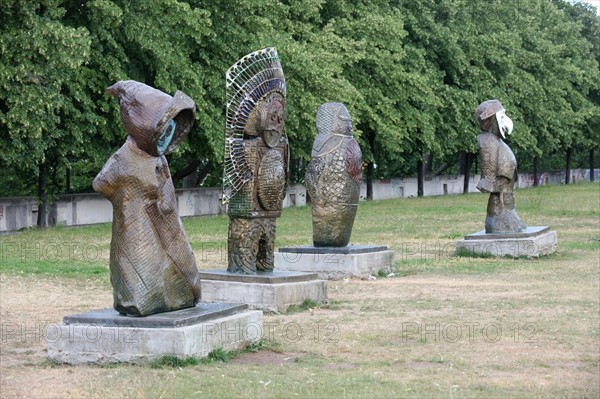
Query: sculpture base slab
column 337, row 263
column 533, row 242
column 269, row 291
column 104, row 336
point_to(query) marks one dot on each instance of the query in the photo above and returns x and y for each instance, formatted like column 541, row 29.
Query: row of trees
column 410, row 71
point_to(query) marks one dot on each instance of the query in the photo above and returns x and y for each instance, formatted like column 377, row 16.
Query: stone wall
column 81, row 209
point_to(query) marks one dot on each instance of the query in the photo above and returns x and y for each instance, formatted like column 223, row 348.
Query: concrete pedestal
column 272, row 292
column 336, row 262
column 105, row 336
column 532, row 242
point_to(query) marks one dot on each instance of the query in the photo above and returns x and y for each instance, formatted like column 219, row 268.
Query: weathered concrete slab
column 269, row 292
column 93, row 343
column 178, row 318
column 336, row 263
column 528, row 232
column 274, row 277
column 348, row 249
column 537, row 242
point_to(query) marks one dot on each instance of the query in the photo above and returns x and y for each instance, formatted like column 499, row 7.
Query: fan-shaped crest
column 248, row 81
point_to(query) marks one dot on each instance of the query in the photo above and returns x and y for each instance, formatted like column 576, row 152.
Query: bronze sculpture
column 152, row 266
column 498, row 169
column 333, row 177
column 256, row 159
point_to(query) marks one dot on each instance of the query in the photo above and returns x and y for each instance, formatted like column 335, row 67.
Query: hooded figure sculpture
column 498, row 169
column 152, row 266
column 333, row 177
column 256, row 159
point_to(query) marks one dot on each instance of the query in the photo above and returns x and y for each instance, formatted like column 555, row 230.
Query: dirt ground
column 521, row 332
column 28, row 306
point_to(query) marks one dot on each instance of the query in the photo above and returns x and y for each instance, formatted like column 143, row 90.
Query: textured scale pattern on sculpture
column 498, row 169
column 333, row 177
column 247, row 82
column 152, row 266
column 256, row 159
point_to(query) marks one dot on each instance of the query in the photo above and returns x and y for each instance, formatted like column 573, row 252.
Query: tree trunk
column 203, row 174
column 467, row 171
column 428, row 164
column 536, row 166
column 568, row 167
column 297, row 170
column 370, row 135
column 591, row 164
column 68, row 180
column 42, row 195
column 420, row 177
column 370, row 181
column 187, row 170
column 441, row 169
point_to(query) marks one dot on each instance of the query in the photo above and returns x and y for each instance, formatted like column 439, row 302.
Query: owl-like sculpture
column 256, row 159
column 498, row 169
column 152, row 266
column 333, row 177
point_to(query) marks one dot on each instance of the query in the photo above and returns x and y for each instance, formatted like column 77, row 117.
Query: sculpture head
column 156, row 121
column 267, row 119
column 492, row 117
column 334, row 118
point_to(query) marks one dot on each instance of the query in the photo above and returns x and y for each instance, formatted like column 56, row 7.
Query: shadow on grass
column 457, row 265
column 215, row 356
column 308, row 304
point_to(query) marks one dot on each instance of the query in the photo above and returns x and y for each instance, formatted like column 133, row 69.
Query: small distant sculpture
column 333, row 177
column 256, row 159
column 498, row 169
column 152, row 266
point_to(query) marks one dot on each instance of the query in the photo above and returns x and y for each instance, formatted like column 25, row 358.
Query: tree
column 155, row 43
column 588, row 24
column 410, row 72
column 40, row 113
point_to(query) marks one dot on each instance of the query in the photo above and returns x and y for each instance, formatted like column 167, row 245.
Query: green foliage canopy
column 410, row 71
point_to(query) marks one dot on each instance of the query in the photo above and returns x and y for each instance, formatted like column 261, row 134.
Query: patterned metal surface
column 147, row 113
column 271, row 180
column 498, row 172
column 152, row 266
column 250, row 245
column 333, row 177
column 249, row 81
column 256, row 159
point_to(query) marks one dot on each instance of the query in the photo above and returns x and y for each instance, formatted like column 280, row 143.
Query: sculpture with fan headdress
column 256, row 158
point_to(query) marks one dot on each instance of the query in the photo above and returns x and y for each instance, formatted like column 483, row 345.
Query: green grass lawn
column 529, row 327
column 422, row 231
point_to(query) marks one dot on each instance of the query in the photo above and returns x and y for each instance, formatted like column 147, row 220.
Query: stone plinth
column 336, row 263
column 105, row 336
column 273, row 291
column 531, row 243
